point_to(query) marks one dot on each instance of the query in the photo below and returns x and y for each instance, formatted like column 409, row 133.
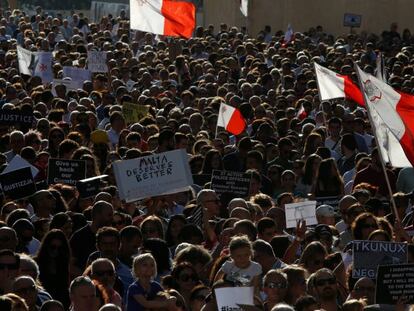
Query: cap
column 325, row 211
column 323, row 230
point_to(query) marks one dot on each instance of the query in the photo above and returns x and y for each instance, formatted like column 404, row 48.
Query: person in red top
column 374, row 175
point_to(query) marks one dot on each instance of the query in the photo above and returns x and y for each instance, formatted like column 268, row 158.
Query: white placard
column 78, row 75
column 70, row 85
column 158, row 174
column 300, row 211
column 17, row 163
column 97, row 61
column 228, row 298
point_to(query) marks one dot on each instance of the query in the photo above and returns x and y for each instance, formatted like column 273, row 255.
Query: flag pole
column 384, row 169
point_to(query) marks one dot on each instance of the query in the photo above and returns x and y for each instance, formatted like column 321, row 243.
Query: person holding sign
column 241, row 269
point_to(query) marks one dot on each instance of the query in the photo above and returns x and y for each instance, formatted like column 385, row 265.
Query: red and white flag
column 332, row 85
column 396, row 110
column 231, row 119
column 244, row 7
column 163, row 17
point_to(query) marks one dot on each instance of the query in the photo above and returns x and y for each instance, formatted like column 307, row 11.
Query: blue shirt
column 136, row 289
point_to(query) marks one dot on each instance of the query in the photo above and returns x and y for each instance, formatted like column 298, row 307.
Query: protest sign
column 17, row 163
column 97, row 61
column 18, row 184
column 13, row 117
column 393, row 282
column 352, row 20
column 230, row 298
column 158, row 174
column 332, row 201
column 70, row 85
column 78, row 75
column 66, row 171
column 235, row 183
column 134, row 113
column 25, row 60
column 300, row 211
column 368, row 255
column 89, row 187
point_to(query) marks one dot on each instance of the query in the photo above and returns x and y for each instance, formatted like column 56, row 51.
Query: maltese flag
column 163, row 17
column 396, row 110
column 244, row 5
column 332, row 85
column 231, row 119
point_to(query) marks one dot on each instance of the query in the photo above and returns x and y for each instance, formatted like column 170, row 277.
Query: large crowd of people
column 62, row 251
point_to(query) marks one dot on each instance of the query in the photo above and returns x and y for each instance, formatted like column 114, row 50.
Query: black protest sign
column 201, row 179
column 394, row 282
column 332, row 201
column 90, row 186
column 18, row 184
column 368, row 255
column 66, row 171
column 235, row 183
column 13, row 117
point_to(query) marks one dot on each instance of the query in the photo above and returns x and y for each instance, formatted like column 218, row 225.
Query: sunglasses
column 369, row 226
column 150, row 230
column 279, row 285
column 213, row 201
column 322, row 282
column 26, row 290
column 104, row 272
column 9, row 266
column 188, row 277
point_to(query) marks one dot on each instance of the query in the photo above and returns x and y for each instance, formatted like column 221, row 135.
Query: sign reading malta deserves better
column 158, row 174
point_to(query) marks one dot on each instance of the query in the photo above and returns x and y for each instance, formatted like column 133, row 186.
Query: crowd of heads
column 60, row 250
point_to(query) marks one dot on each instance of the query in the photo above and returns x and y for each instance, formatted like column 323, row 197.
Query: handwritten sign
column 134, row 113
column 230, row 298
column 97, row 61
column 66, row 171
column 393, row 282
column 158, row 174
column 300, row 211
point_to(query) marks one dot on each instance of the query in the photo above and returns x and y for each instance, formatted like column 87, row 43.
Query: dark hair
column 168, row 237
column 62, row 261
column 207, row 166
column 348, row 140
column 358, row 223
column 159, row 249
column 107, row 232
column 308, row 175
column 129, row 232
column 304, row 302
column 190, row 231
column 59, row 220
column 265, row 223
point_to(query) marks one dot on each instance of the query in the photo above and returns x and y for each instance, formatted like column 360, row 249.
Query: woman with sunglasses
column 53, row 259
column 183, row 278
column 364, row 225
column 275, row 286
